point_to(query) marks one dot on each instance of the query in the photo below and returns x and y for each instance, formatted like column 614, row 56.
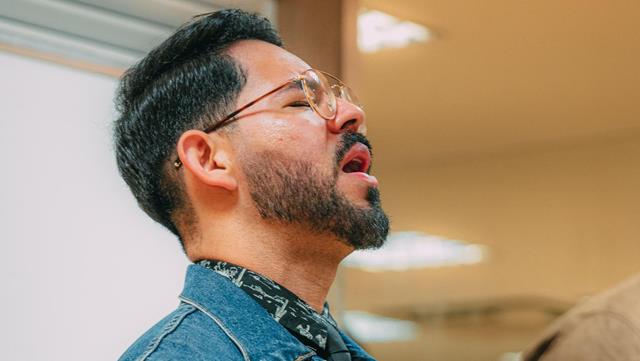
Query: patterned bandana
column 300, row 319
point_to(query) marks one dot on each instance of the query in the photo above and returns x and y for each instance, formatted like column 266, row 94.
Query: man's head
column 295, row 166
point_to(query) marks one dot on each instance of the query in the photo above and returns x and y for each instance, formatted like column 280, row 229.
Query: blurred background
column 507, row 143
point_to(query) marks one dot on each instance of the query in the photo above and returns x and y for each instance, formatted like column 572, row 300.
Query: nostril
column 349, row 124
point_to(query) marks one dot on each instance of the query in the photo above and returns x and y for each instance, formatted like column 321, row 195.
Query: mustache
column 347, row 141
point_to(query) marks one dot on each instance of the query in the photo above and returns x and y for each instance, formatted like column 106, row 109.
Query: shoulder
column 601, row 335
column 606, row 325
column 623, row 298
column 185, row 334
column 615, row 307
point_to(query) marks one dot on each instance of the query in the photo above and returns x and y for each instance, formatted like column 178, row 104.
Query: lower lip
column 373, row 181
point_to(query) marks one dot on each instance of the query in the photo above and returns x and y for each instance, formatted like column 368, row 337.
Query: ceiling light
column 410, row 250
column 511, row 356
column 378, row 30
column 370, row 328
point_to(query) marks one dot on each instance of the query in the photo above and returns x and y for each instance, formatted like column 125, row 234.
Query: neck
column 303, row 262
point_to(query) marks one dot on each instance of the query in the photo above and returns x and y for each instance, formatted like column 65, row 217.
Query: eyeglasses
column 321, row 91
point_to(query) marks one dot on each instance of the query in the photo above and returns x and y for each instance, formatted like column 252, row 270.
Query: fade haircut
column 187, row 82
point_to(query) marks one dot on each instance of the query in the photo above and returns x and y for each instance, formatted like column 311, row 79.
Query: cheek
column 273, row 131
column 298, row 138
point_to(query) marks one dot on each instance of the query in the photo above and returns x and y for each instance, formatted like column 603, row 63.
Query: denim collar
column 257, row 335
column 248, row 325
column 286, row 308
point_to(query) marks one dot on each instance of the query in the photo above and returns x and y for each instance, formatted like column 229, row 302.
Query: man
column 259, row 165
column 603, row 328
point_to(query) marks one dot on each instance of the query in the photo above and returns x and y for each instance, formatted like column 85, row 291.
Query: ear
column 207, row 157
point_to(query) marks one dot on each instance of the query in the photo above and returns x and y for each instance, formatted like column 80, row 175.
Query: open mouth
column 357, row 159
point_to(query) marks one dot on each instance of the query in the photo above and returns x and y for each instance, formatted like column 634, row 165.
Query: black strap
column 336, row 348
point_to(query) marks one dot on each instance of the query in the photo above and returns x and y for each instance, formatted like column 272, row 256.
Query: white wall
column 83, row 270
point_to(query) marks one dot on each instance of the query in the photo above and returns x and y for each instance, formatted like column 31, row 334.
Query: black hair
column 186, row 82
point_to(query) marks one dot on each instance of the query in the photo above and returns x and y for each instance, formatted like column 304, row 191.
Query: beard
column 294, row 191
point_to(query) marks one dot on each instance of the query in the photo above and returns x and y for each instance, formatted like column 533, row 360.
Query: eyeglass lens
column 316, row 86
column 322, row 92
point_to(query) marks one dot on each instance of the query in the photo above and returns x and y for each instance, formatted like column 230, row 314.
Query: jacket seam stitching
column 168, row 328
column 228, row 332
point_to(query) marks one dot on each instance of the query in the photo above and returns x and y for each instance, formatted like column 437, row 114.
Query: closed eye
column 299, row 103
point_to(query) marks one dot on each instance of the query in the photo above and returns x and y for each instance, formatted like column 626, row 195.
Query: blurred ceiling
column 502, row 75
column 114, row 33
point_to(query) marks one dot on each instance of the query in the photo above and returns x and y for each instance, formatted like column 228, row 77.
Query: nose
column 349, row 118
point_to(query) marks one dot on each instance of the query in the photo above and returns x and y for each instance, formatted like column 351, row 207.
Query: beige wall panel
column 311, row 29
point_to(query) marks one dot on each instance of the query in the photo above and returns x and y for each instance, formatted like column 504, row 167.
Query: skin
column 229, row 226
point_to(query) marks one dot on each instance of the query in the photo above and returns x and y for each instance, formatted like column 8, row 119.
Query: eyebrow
column 286, row 91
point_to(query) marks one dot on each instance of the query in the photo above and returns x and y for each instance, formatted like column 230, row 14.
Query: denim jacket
column 218, row 321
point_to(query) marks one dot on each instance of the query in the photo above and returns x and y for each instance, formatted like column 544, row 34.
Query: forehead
column 266, row 65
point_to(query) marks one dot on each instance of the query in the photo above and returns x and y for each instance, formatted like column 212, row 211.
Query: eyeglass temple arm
column 177, row 163
column 232, row 115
